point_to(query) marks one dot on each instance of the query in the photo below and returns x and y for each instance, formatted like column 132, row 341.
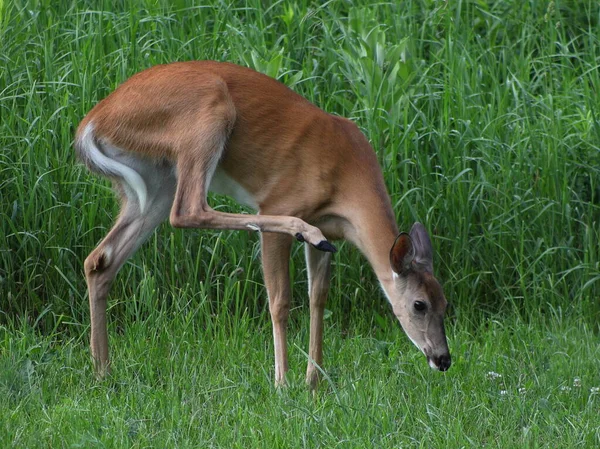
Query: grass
column 484, row 116
column 178, row 385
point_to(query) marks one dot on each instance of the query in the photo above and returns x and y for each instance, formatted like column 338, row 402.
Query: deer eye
column 420, row 306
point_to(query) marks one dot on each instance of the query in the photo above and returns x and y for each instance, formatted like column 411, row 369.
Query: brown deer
column 173, row 132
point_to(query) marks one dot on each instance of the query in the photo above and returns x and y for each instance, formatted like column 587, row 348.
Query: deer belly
column 222, row 184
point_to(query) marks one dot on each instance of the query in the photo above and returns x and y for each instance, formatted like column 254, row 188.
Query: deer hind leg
column 319, row 270
column 197, row 161
column 275, row 260
column 131, row 229
column 191, row 209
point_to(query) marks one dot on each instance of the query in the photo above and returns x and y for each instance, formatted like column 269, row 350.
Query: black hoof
column 324, row 245
column 299, row 237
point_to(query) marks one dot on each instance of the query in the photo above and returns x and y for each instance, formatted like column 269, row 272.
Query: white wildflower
column 565, row 388
column 491, row 375
column 577, row 382
column 595, row 390
column 503, row 392
column 522, row 390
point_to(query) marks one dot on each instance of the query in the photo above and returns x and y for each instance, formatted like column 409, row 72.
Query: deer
column 171, row 133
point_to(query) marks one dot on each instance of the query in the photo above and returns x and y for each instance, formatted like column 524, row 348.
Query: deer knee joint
column 318, row 297
column 202, row 219
column 97, row 261
column 177, row 221
column 280, row 310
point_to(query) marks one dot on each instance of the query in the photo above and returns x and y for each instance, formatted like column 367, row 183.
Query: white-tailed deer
column 173, row 132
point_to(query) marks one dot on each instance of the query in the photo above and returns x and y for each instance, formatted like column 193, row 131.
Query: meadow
column 485, row 116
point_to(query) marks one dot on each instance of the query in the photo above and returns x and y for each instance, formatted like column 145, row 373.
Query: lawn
column 485, row 117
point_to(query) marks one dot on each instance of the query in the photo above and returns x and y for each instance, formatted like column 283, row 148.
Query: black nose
column 443, row 362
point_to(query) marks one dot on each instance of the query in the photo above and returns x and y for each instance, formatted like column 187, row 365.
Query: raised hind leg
column 191, row 209
column 198, row 155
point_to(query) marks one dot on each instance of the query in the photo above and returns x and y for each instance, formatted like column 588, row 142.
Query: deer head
column 418, row 300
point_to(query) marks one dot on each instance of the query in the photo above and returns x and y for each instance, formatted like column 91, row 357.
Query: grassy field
column 485, row 116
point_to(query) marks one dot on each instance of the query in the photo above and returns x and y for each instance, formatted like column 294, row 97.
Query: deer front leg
column 276, row 258
column 319, row 270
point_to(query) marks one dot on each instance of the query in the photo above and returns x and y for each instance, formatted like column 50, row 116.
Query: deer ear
column 402, row 253
column 423, row 260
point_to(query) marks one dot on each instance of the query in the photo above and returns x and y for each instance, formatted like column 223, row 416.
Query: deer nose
column 443, row 362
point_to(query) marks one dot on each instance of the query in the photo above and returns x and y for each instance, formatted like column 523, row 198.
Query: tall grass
column 485, row 118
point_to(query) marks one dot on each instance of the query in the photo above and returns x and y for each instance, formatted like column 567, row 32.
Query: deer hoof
column 324, row 245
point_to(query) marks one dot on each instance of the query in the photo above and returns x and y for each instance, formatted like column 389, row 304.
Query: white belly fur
column 224, row 185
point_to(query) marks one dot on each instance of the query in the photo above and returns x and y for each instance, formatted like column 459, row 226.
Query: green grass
column 486, row 120
column 178, row 385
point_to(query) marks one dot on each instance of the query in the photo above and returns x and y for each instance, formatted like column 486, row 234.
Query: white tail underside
column 135, row 187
